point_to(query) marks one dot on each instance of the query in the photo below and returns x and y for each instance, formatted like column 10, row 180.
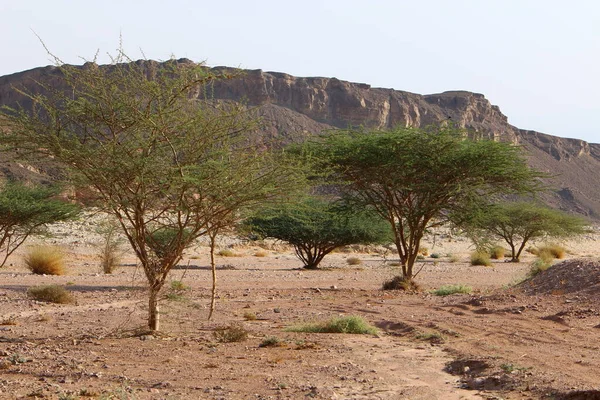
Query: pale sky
column 538, row 60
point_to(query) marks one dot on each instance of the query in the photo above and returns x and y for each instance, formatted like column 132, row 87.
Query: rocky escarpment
column 293, row 108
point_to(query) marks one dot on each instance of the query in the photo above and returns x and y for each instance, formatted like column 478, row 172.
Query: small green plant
column 272, row 341
column 497, row 252
column 231, row 333
column 352, row 324
column 43, row 260
column 435, row 255
column 420, row 257
column 51, row 294
column 353, row 261
column 540, row 264
column 250, row 316
column 179, row 286
column 480, row 258
column 447, row 290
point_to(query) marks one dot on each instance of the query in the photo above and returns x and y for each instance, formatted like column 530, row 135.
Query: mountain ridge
column 294, row 108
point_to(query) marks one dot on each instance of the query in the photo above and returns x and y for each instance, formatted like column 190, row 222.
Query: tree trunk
column 213, row 267
column 153, row 312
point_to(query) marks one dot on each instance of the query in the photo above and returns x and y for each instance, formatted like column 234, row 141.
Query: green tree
column 27, row 210
column 315, row 227
column 414, row 177
column 164, row 158
column 519, row 222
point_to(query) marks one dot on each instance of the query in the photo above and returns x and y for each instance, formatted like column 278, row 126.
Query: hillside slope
column 294, row 108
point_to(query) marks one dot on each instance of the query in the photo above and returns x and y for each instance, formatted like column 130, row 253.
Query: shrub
column 353, row 261
column 179, row 286
column 542, row 263
column 51, row 294
column 110, row 254
column 424, row 251
column 432, row 337
column 497, row 252
column 250, row 316
column 260, row 253
column 352, row 324
column 435, row 255
column 420, row 257
column 400, row 283
column 452, row 289
column 230, row 334
column 272, row 341
column 45, row 261
column 226, row 253
column 453, row 258
column 480, row 258
column 555, row 250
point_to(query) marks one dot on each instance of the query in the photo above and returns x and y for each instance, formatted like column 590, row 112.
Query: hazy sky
column 536, row 59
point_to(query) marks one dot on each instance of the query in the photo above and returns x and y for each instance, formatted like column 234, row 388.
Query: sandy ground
column 497, row 342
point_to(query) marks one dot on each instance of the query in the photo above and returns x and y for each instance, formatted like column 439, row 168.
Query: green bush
column 480, row 258
column 452, row 289
column 352, row 324
column 51, row 294
column 44, row 260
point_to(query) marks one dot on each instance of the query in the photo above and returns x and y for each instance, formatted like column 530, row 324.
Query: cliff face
column 294, row 108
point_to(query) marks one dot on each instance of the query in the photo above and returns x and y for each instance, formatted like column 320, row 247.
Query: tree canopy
column 519, row 222
column 27, row 210
column 162, row 156
column 415, row 177
column 315, row 227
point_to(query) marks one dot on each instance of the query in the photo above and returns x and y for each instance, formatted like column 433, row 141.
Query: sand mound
column 581, row 277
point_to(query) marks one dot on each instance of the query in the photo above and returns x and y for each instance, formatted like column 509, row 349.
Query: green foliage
column 415, row 177
column 168, row 161
column 352, row 324
column 447, row 290
column 44, row 260
column 27, row 210
column 51, row 294
column 480, row 258
column 518, row 223
column 315, row 227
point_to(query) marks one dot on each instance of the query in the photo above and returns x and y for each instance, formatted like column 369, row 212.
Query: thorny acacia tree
column 414, row 177
column 27, row 210
column 315, row 227
column 518, row 223
column 163, row 158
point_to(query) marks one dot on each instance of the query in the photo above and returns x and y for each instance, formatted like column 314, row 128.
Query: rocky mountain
column 294, row 108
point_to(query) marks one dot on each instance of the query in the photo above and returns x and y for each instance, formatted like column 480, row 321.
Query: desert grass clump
column 51, row 294
column 553, row 249
column 453, row 258
column 250, row 316
column 497, row 252
column 353, row 261
column 272, row 341
column 400, row 283
column 480, row 258
column 352, row 324
column 227, row 253
column 43, row 260
column 230, row 334
column 261, row 253
column 110, row 252
column 447, row 290
column 424, row 251
column 540, row 264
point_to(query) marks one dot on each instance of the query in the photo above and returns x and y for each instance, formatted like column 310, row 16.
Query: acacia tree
column 414, row 177
column 519, row 222
column 315, row 227
column 27, row 210
column 161, row 157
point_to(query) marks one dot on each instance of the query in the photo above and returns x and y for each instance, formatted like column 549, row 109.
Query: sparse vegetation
column 435, row 255
column 353, row 261
column 480, row 258
column 227, row 253
column 553, row 250
column 447, row 290
column 261, row 253
column 110, row 252
column 453, row 258
column 432, row 337
column 352, row 324
column 250, row 316
column 272, row 341
column 44, row 260
column 400, row 283
column 231, row 333
column 497, row 252
column 540, row 264
column 51, row 294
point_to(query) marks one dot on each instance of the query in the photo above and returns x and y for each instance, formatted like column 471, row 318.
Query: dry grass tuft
column 497, row 252
column 44, row 260
column 227, row 253
column 353, row 261
column 400, row 283
column 261, row 253
column 231, row 333
column 51, row 294
column 480, row 258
